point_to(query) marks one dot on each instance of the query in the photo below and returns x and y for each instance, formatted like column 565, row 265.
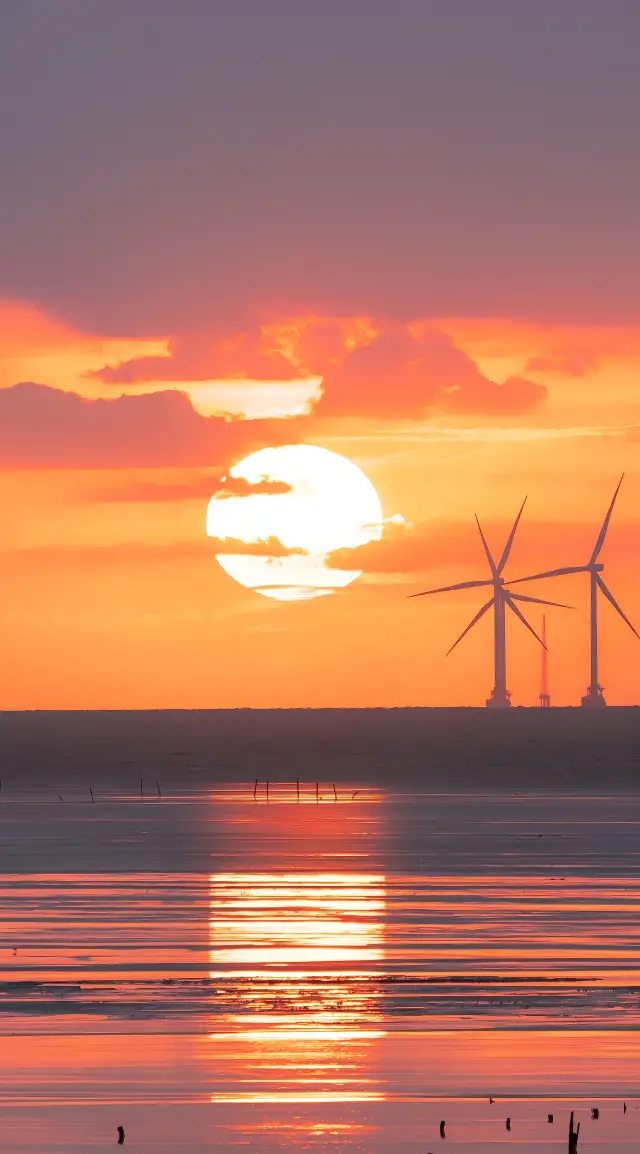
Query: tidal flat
column 211, row 964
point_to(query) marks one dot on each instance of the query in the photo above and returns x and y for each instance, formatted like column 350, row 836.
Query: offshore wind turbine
column 501, row 599
column 594, row 696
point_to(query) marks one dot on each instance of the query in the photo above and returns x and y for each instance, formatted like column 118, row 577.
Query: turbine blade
column 551, row 573
column 514, row 609
column 452, row 588
column 605, row 524
column 539, row 601
column 609, row 595
column 486, row 548
column 507, row 549
column 479, row 614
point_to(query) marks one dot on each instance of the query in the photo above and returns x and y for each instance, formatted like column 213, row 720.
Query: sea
column 402, row 930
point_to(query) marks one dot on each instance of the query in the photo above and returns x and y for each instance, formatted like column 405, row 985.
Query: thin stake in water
column 335, row 796
column 255, row 790
column 91, row 792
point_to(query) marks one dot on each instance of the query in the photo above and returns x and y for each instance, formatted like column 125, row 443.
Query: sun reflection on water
column 296, row 955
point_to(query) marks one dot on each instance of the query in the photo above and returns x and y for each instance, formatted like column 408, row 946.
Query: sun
column 329, row 504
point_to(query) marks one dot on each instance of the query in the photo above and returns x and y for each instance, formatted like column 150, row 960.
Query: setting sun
column 327, row 504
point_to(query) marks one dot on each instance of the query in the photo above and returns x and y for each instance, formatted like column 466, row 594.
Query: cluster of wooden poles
column 574, row 1131
column 258, row 782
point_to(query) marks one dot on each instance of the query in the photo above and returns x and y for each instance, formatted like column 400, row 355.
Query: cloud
column 563, row 366
column 398, row 375
column 140, row 490
column 240, row 487
column 47, row 428
column 456, row 545
column 270, row 547
column 403, row 548
column 119, row 553
column 206, row 357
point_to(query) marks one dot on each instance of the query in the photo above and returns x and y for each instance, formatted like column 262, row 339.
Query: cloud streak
column 205, row 357
column 203, row 487
column 269, row 547
column 441, row 545
column 48, row 428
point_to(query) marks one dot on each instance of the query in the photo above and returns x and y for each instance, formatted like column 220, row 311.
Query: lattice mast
column 545, row 699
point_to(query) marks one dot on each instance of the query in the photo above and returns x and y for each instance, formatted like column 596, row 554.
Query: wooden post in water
column 442, row 1126
column 573, row 1136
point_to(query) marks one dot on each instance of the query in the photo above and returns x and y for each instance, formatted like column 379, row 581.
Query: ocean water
column 315, row 967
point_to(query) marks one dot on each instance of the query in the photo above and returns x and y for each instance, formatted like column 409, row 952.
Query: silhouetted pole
column 545, row 699
column 573, row 1136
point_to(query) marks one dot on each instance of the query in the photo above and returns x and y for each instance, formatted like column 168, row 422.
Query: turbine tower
column 594, row 697
column 501, row 599
column 545, row 699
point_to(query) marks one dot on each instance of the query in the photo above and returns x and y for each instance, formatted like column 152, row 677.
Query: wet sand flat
column 211, row 968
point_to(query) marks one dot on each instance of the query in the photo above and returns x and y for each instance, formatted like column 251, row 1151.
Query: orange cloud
column 204, row 357
column 47, row 428
column 569, row 366
column 436, row 545
column 400, row 375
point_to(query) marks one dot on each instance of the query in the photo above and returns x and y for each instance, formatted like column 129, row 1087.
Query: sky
column 403, row 232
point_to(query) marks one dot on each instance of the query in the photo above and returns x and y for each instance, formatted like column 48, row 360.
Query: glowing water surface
column 330, row 974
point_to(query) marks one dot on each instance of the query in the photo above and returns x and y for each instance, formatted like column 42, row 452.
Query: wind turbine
column 594, row 695
column 501, row 598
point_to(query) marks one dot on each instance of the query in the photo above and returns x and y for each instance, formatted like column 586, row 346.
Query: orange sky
column 111, row 597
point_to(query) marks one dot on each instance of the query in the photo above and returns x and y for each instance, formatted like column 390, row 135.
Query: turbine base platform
column 501, row 702
column 593, row 700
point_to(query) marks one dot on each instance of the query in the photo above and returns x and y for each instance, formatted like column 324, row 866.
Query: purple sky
column 177, row 164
